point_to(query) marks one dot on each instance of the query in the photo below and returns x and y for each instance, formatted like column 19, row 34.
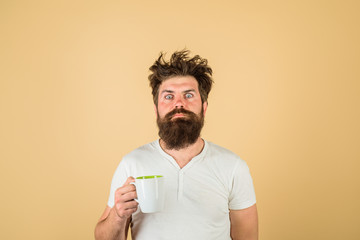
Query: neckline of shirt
column 192, row 161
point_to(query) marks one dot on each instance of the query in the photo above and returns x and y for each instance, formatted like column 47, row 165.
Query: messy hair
column 180, row 64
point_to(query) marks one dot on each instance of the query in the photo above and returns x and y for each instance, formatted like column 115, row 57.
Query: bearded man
column 209, row 190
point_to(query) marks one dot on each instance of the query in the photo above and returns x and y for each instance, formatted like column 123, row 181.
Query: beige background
column 74, row 98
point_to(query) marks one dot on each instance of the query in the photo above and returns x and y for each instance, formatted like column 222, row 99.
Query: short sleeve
column 119, row 178
column 242, row 193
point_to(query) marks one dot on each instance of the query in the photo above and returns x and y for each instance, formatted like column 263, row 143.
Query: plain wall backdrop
column 74, row 98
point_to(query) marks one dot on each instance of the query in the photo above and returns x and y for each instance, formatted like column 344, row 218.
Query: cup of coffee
column 150, row 193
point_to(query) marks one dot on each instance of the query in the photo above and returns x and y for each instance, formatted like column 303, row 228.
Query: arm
column 114, row 222
column 244, row 224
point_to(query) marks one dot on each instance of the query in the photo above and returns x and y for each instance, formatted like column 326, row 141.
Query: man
column 209, row 190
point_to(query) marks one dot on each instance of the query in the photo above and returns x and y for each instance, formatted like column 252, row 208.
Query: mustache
column 169, row 115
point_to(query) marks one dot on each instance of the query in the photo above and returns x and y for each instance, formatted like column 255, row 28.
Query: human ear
column 205, row 105
column 156, row 111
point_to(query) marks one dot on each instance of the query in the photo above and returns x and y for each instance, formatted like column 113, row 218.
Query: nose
column 179, row 103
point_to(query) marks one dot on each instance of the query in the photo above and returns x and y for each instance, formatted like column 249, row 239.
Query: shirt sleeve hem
column 242, row 205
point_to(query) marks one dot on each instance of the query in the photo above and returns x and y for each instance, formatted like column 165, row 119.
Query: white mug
column 150, row 193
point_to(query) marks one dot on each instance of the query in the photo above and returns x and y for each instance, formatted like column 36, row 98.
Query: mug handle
column 133, row 183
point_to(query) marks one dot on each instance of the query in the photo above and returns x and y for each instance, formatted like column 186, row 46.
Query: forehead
column 179, row 83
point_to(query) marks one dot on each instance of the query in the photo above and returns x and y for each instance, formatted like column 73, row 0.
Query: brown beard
column 180, row 132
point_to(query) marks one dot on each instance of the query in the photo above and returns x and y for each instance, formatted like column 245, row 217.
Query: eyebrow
column 171, row 91
column 166, row 91
column 190, row 90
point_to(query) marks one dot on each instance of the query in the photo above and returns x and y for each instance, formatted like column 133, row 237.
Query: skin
column 244, row 224
column 176, row 92
column 179, row 92
column 114, row 222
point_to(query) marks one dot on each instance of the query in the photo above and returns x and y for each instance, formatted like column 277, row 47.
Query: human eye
column 168, row 96
column 189, row 95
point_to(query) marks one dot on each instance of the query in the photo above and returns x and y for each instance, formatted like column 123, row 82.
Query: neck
column 184, row 155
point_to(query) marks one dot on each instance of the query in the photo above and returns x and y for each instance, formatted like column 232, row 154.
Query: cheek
column 162, row 109
column 195, row 107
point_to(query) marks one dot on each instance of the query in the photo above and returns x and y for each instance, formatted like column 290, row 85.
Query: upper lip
column 178, row 115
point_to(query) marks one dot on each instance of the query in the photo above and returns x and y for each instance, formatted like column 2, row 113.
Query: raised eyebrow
column 190, row 90
column 171, row 91
column 167, row 91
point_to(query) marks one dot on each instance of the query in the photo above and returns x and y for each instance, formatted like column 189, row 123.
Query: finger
column 130, row 205
column 129, row 180
column 126, row 209
column 126, row 205
column 129, row 196
column 125, row 189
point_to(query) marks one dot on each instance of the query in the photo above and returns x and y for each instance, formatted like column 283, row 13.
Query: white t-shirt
column 197, row 197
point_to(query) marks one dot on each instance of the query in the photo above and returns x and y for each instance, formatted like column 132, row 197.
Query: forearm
column 112, row 227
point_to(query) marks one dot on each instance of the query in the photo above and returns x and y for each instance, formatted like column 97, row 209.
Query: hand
column 125, row 205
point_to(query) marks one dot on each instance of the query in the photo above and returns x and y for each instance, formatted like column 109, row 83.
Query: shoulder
column 142, row 150
column 144, row 160
column 217, row 151
column 224, row 157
